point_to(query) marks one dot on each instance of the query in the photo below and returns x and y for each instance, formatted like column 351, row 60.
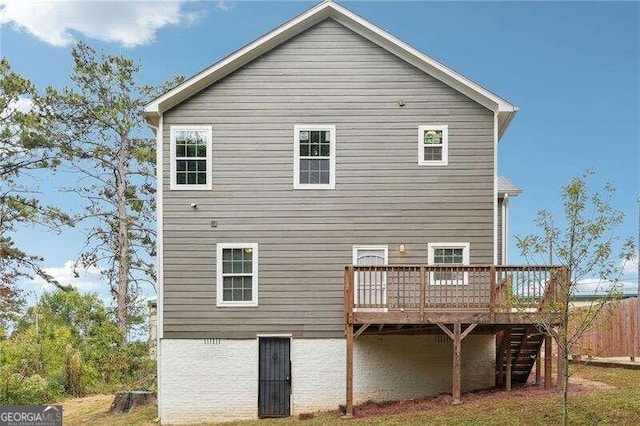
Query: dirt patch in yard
column 371, row 408
column 588, row 385
column 525, row 392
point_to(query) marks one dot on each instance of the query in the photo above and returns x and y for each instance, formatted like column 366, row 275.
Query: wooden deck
column 419, row 294
column 505, row 301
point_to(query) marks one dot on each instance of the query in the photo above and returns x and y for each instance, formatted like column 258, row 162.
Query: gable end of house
column 504, row 110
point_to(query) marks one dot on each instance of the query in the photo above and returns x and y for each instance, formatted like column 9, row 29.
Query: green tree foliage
column 25, row 148
column 12, row 303
column 585, row 240
column 100, row 130
column 69, row 344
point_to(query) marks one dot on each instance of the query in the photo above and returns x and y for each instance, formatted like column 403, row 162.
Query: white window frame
column 173, row 185
column 445, row 145
column 296, row 156
column 466, row 247
column 254, row 276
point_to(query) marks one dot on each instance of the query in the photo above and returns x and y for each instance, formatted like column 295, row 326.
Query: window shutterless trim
column 254, row 276
column 445, row 145
column 466, row 247
column 173, row 185
column 296, row 156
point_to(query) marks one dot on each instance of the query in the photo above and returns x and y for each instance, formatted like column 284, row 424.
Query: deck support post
column 499, row 373
column 508, row 362
column 457, row 344
column 457, row 336
column 547, row 362
column 349, row 385
column 538, row 366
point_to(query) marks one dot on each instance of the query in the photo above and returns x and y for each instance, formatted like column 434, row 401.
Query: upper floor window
column 433, row 141
column 448, row 254
column 314, row 158
column 237, row 274
column 191, row 157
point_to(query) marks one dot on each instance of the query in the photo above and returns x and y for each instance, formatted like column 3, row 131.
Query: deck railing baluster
column 404, row 288
column 451, row 297
column 473, row 288
column 369, row 285
column 372, row 287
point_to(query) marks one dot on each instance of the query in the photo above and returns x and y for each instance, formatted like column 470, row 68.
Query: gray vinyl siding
column 326, row 75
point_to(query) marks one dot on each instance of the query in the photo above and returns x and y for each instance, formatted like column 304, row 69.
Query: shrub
column 69, row 345
column 20, row 390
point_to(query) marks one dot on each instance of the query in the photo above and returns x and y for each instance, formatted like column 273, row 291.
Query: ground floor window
column 448, row 254
column 237, row 274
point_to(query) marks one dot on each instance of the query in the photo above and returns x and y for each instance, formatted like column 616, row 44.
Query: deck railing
column 475, row 288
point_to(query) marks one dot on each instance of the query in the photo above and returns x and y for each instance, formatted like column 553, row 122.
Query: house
column 330, row 220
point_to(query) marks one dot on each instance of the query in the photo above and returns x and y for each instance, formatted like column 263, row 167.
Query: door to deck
column 274, row 389
column 371, row 285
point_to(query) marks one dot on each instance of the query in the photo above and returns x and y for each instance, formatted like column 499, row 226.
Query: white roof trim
column 506, row 187
column 352, row 21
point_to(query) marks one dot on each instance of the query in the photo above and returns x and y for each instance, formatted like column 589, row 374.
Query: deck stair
column 520, row 344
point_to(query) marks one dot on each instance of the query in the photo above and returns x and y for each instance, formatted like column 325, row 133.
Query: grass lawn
column 93, row 410
column 599, row 396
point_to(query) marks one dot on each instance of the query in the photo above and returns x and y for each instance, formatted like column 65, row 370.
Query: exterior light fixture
column 402, row 248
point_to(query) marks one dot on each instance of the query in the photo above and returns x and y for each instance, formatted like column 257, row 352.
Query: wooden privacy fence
column 613, row 333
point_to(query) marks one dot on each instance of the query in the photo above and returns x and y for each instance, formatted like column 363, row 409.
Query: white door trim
column 385, row 250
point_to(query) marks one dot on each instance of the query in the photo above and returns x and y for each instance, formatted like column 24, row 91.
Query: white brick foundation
column 398, row 367
column 318, row 374
column 201, row 382
column 217, row 382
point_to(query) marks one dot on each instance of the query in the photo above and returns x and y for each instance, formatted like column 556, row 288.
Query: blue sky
column 572, row 67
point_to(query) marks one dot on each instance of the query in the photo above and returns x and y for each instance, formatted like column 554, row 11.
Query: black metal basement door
column 274, row 392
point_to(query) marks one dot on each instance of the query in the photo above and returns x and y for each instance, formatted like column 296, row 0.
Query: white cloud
column 23, row 104
column 129, row 23
column 630, row 267
column 225, row 5
column 10, row 146
column 628, row 283
column 593, row 286
column 88, row 280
